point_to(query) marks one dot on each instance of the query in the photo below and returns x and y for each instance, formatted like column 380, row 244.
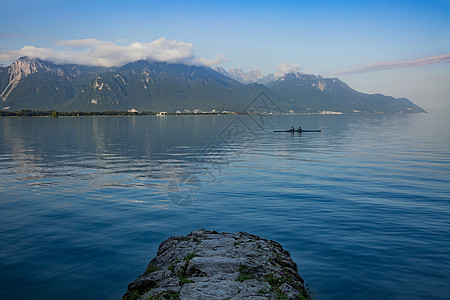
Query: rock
column 211, row 265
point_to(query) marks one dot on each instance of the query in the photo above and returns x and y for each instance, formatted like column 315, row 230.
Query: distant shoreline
column 53, row 113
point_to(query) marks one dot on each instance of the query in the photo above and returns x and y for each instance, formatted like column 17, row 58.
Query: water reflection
column 91, row 154
column 86, row 201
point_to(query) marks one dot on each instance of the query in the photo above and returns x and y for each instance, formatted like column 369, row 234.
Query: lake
column 363, row 206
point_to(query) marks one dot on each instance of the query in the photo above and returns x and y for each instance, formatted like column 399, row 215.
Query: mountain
column 312, row 93
column 40, row 85
column 315, row 94
column 156, row 86
column 153, row 86
column 245, row 77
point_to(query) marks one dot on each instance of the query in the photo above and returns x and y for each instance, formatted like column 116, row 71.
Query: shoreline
column 32, row 113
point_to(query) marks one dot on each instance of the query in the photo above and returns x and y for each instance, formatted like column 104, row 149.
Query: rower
column 300, row 128
column 292, row 129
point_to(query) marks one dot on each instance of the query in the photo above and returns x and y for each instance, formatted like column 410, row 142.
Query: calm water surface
column 363, row 206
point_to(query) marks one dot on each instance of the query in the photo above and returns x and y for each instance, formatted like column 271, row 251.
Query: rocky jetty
column 212, row 265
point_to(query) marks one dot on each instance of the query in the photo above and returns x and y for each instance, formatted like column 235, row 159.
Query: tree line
column 53, row 113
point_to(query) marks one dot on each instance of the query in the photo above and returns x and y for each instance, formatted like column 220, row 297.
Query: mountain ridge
column 162, row 86
column 314, row 92
column 30, row 83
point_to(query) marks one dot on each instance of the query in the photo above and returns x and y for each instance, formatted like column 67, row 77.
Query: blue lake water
column 363, row 206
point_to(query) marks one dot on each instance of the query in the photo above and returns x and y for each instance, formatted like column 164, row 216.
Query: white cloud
column 220, row 58
column 104, row 53
column 397, row 64
column 285, row 68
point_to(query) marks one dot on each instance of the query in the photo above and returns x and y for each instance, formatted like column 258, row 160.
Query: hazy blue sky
column 398, row 48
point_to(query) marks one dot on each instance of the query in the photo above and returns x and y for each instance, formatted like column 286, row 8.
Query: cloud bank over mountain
column 93, row 52
column 285, row 68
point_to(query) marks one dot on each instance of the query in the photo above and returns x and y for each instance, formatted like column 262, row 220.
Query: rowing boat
column 303, row 130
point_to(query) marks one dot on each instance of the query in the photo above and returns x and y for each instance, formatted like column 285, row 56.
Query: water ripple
column 363, row 204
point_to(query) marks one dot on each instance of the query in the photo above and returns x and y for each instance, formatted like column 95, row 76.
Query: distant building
column 327, row 112
column 162, row 113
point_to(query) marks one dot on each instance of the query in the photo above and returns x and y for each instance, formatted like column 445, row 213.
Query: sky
column 396, row 48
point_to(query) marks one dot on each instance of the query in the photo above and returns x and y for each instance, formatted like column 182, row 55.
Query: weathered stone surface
column 211, row 265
